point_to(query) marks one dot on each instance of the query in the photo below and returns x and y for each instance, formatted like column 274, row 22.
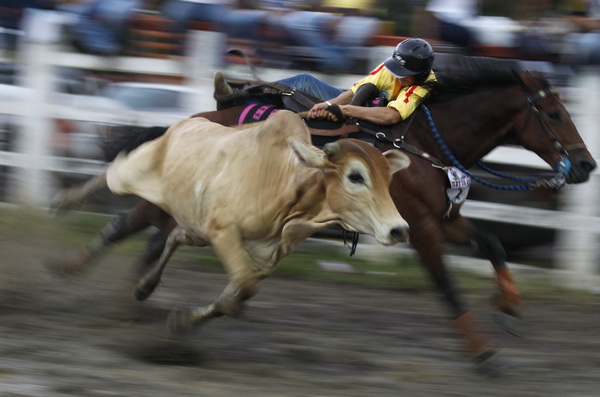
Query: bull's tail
column 128, row 138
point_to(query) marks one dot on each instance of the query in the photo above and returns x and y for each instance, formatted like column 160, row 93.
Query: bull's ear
column 311, row 157
column 397, row 159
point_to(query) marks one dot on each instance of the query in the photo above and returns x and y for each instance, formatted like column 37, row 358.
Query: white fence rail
column 577, row 221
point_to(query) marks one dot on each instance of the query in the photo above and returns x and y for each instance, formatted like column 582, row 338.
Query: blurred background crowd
column 323, row 35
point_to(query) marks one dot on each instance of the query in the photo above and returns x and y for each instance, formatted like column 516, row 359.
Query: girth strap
column 344, row 130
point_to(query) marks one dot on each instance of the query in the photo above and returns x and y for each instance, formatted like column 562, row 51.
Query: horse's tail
column 128, row 138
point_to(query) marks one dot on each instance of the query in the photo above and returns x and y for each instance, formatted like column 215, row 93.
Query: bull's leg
column 228, row 303
column 242, row 284
column 150, row 281
column 75, row 196
column 508, row 299
column 427, row 237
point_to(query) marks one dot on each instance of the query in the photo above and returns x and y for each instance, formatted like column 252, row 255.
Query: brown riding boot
column 221, row 87
column 223, row 91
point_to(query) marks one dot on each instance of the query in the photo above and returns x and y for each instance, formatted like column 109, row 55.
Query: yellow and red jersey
column 404, row 99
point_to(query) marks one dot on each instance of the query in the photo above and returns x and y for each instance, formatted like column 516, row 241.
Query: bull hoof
column 178, row 322
column 491, row 364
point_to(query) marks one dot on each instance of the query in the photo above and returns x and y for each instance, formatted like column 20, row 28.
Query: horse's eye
column 554, row 116
column 355, row 177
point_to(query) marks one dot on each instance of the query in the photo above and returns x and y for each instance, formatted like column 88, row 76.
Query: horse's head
column 548, row 130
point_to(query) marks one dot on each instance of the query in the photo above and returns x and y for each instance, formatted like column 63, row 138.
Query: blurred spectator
column 310, row 30
column 460, row 22
column 451, row 16
column 11, row 15
column 583, row 45
column 319, row 38
column 349, row 7
column 246, row 21
column 101, row 26
column 185, row 11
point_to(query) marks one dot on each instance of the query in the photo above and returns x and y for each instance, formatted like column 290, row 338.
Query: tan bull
column 254, row 194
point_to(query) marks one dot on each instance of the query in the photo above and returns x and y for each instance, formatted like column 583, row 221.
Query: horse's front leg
column 122, row 226
column 427, row 237
column 508, row 299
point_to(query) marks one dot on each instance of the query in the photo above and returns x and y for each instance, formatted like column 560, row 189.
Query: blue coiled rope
column 531, row 182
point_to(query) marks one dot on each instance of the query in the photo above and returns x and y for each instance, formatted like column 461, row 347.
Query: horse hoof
column 510, row 322
column 491, row 364
column 143, row 291
column 54, row 266
column 65, row 265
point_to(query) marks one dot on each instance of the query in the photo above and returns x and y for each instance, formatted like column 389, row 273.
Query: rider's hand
column 318, row 111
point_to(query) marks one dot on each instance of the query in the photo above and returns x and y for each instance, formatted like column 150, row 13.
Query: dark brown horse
column 467, row 116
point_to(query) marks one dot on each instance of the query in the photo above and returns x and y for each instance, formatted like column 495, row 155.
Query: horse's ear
column 526, row 78
column 519, row 77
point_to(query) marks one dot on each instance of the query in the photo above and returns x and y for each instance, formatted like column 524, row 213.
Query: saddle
column 284, row 96
column 277, row 92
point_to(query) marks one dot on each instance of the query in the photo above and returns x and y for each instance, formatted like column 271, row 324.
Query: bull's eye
column 356, row 177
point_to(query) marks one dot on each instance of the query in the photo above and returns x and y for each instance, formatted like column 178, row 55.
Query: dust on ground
column 88, row 337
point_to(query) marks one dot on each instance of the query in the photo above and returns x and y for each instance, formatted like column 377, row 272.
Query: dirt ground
column 88, row 337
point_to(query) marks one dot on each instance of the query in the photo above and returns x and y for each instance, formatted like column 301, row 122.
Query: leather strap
column 344, row 130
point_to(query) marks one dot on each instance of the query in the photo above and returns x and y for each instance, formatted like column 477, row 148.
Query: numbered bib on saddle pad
column 459, row 185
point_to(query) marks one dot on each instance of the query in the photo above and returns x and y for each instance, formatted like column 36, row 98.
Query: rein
column 555, row 182
column 563, row 166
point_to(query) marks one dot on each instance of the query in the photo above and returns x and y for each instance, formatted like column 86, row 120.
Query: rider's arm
column 381, row 115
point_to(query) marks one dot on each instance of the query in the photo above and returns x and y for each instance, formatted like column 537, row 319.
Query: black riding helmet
column 412, row 57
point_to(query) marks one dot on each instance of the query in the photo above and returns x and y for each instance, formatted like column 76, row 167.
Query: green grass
column 395, row 272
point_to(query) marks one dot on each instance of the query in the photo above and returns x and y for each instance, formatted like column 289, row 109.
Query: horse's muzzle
column 582, row 166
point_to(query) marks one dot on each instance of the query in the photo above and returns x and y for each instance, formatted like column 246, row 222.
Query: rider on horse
column 399, row 81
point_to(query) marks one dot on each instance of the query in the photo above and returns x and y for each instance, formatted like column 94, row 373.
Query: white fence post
column 33, row 185
column 578, row 249
column 205, row 55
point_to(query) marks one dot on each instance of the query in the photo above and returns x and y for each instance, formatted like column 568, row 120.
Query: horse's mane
column 470, row 74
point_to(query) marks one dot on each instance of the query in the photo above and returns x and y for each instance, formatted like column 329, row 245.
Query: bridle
column 564, row 164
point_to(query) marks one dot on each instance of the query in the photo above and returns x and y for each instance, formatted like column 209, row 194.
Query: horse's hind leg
column 123, row 225
column 508, row 299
